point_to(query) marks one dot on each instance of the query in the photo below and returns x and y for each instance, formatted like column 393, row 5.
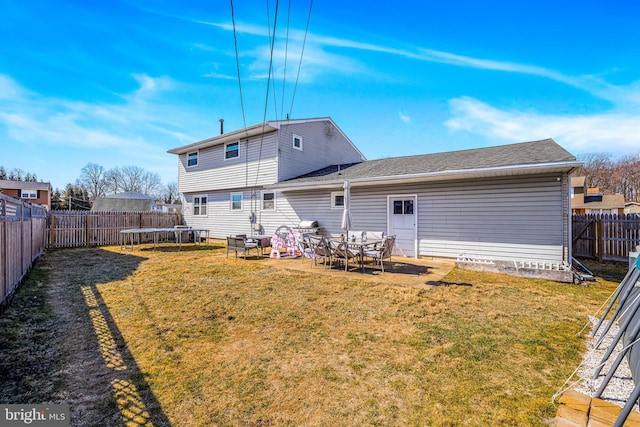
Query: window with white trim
column 192, row 159
column 268, row 201
column 236, row 201
column 231, row 150
column 337, row 199
column 199, row 205
column 29, row 194
column 297, row 142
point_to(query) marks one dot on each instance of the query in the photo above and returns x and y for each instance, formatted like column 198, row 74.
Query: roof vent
column 221, row 126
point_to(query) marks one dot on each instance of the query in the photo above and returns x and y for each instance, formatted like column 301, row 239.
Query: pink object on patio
column 278, row 243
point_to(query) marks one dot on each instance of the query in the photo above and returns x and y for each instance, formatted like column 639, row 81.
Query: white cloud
column 615, row 132
column 72, row 133
column 404, row 117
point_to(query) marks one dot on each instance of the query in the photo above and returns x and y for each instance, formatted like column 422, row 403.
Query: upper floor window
column 236, row 201
column 232, row 150
column 192, row 159
column 337, row 199
column 297, row 142
column 268, row 201
column 200, row 205
column 29, row 194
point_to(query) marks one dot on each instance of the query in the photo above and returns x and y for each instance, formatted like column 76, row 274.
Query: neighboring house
column 28, row 191
column 585, row 200
column 169, row 207
column 632, row 208
column 508, row 202
column 129, row 201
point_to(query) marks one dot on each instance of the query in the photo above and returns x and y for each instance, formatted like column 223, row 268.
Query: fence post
column 87, row 231
column 51, row 219
column 599, row 240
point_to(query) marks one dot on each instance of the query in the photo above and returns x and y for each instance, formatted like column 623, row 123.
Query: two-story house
column 28, row 191
column 508, row 202
column 223, row 179
column 586, row 200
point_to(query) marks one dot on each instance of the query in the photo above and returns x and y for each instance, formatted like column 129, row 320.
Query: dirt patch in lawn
column 102, row 383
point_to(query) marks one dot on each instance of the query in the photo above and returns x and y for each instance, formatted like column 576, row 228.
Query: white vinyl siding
column 324, row 145
column 223, row 222
column 518, row 218
column 256, row 166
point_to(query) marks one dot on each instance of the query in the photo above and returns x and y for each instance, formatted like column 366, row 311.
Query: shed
column 129, row 201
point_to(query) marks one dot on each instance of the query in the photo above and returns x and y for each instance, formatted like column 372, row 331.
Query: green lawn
column 192, row 338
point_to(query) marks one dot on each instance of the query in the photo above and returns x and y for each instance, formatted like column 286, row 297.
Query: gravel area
column 621, row 384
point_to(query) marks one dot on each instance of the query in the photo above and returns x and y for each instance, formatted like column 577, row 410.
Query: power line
column 306, row 31
column 235, row 42
column 266, row 101
column 286, row 53
column 272, row 40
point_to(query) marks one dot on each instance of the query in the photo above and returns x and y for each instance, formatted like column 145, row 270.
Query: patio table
column 360, row 245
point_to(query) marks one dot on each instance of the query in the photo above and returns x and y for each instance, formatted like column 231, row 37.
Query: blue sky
column 118, row 83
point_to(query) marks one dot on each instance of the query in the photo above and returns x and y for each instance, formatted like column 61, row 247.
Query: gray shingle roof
column 524, row 153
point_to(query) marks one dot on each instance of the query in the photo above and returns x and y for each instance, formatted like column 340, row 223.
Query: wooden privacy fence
column 86, row 228
column 22, row 241
column 606, row 237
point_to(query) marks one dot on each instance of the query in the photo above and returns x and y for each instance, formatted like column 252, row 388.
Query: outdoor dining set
column 353, row 249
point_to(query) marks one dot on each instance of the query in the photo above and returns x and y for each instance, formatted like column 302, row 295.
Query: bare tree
column 613, row 176
column 15, row 174
column 94, row 180
column 170, row 193
column 134, row 178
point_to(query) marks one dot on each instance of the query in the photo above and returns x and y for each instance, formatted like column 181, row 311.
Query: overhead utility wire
column 266, row 101
column 286, row 53
column 235, row 42
column 306, row 31
column 272, row 41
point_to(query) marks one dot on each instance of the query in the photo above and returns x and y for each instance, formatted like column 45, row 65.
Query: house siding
column 256, row 165
column 323, row 145
column 221, row 221
column 518, row 219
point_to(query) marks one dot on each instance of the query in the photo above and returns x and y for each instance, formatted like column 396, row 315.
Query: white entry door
column 402, row 223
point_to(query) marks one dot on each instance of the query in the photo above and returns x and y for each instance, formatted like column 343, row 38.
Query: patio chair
column 241, row 244
column 340, row 251
column 304, row 247
column 383, row 252
column 319, row 250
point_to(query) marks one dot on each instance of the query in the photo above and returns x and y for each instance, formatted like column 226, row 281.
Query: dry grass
column 191, row 338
